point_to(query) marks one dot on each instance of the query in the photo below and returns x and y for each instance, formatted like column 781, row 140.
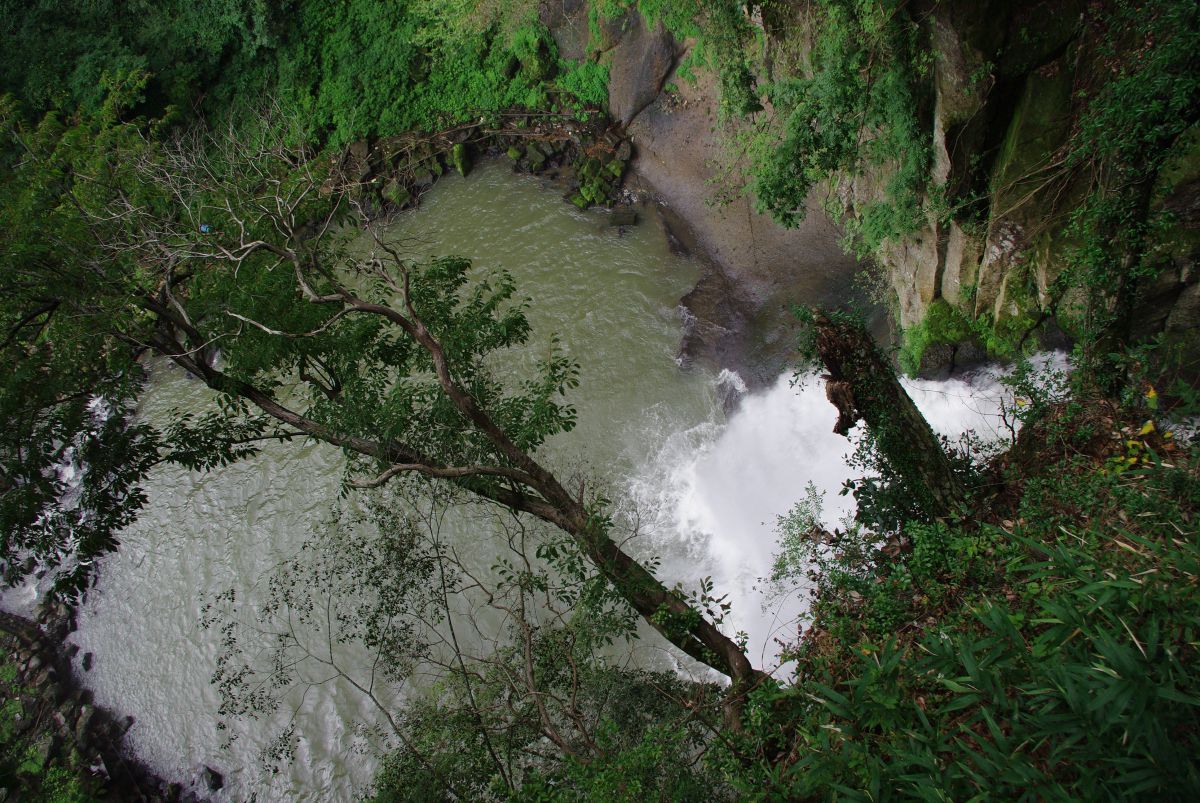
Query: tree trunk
column 862, row 384
column 660, row 607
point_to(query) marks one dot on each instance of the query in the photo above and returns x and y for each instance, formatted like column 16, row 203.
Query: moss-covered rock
column 461, row 159
column 942, row 325
column 1025, row 251
column 395, row 193
column 534, row 158
column 538, row 64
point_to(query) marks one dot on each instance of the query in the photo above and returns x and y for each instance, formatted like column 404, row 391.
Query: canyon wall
column 1001, row 99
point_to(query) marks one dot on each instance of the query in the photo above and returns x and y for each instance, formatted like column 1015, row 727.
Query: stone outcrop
column 1002, row 99
column 639, row 63
column 739, row 314
column 391, row 174
column 1005, row 97
column 52, row 722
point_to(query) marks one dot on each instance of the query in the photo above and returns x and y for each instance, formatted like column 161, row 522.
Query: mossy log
column 862, row 384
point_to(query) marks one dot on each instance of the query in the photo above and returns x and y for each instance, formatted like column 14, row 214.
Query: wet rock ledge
column 589, row 158
column 55, row 742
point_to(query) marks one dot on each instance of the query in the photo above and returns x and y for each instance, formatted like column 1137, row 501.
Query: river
column 707, row 489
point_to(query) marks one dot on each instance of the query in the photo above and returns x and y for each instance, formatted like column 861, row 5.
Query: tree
column 511, row 679
column 72, row 332
column 228, row 253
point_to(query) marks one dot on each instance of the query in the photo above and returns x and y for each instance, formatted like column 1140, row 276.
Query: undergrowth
column 1044, row 650
column 857, row 111
column 30, row 768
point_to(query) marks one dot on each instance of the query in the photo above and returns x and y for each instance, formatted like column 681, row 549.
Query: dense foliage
column 1133, row 129
column 54, row 427
column 354, row 69
column 858, row 111
column 106, row 231
column 1047, row 650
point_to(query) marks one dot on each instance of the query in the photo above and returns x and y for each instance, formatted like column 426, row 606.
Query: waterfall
column 717, row 490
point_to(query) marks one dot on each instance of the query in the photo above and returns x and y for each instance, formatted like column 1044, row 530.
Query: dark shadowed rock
column 943, row 360
column 640, row 63
column 83, row 727
column 622, row 216
column 1185, row 315
column 212, row 779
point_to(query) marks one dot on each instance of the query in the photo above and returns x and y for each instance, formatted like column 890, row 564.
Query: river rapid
column 707, row 489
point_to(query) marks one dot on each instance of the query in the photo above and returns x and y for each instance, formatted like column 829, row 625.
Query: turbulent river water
column 707, row 490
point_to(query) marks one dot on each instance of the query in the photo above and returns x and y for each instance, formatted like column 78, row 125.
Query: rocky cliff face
column 1006, row 88
column 1003, row 98
column 739, row 315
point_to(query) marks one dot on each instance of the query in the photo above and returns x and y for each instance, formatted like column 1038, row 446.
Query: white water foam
column 716, row 491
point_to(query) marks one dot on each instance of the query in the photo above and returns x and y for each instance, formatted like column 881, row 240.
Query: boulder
column 1185, row 314
column 461, row 159
column 568, row 24
column 395, row 193
column 622, row 216
column 423, row 178
column 83, row 726
column 534, row 158
column 638, row 67
column 212, row 779
column 65, row 716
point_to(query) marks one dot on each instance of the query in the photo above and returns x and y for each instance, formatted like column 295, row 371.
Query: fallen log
column 862, row 384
